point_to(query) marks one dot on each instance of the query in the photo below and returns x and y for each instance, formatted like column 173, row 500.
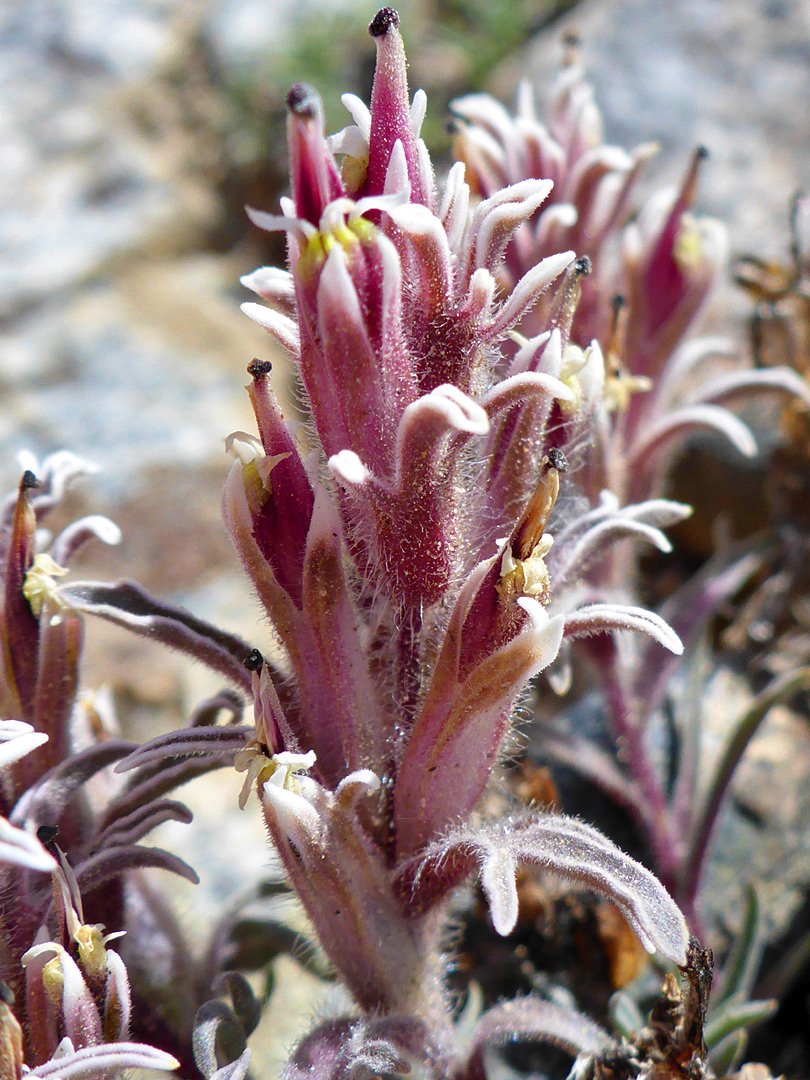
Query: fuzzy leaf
column 97, row 1062
column 602, row 618
column 151, row 782
column 643, row 520
column 45, row 803
column 741, row 383
column 78, row 533
column 217, row 1035
column 562, row 846
column 736, row 1015
column 107, row 865
column 217, row 742
column 528, row 289
column 532, row 1019
column 127, row 604
column 677, row 425
column 132, row 827
column 237, row 1070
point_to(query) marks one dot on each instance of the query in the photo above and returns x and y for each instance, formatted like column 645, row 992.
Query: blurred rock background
column 133, row 133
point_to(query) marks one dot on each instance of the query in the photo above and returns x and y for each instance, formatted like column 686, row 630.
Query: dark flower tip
column 28, row 481
column 254, row 660
column 383, row 21
column 47, row 834
column 558, row 459
column 257, row 369
column 302, row 100
column 701, row 152
column 582, row 266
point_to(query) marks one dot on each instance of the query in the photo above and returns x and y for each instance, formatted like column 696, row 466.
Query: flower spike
column 315, row 179
column 391, row 121
column 496, row 381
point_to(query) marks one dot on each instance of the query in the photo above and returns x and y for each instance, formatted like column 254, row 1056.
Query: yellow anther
column 523, row 568
column 90, row 941
column 688, row 249
column 619, row 389
column 40, row 583
column 574, row 362
column 53, row 980
column 253, row 761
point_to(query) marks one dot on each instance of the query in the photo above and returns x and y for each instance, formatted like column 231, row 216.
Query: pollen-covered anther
column 40, row 585
column 689, row 248
column 529, row 531
column 256, row 764
column 523, row 567
column 575, row 360
column 91, row 942
column 53, row 979
column 261, row 767
column 526, row 577
column 620, row 388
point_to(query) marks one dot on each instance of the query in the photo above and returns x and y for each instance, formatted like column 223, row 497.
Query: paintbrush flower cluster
column 422, row 552
column 70, row 993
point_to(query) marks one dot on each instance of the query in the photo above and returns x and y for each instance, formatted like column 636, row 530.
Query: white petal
column 498, row 883
column 348, row 467
column 19, row 848
column 294, row 761
column 18, row 739
column 271, row 283
column 418, row 110
column 599, row 618
column 396, row 175
column 691, row 417
column 280, row 222
column 359, row 112
column 528, row 289
column 349, row 141
column 281, row 327
column 295, row 815
column 459, row 410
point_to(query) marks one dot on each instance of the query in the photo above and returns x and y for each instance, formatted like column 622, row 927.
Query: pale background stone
column 122, row 338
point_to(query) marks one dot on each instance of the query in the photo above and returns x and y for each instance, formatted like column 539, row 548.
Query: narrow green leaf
column 779, row 689
column 728, row 1053
column 736, row 1016
column 624, row 1015
column 746, row 952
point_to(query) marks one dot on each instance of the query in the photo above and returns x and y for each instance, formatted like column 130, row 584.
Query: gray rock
column 734, row 77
